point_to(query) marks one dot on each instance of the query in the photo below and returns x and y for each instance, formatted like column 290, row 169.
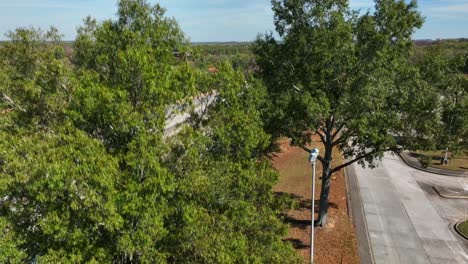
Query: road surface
column 406, row 221
column 178, row 114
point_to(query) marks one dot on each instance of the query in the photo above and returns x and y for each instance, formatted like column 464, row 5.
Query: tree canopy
column 87, row 174
column 450, row 94
column 345, row 75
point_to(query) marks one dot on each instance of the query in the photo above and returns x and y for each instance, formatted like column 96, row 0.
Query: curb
column 348, row 199
column 355, row 204
column 458, row 230
column 448, row 196
column 428, row 170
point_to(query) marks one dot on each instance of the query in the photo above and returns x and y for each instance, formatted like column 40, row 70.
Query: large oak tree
column 345, row 75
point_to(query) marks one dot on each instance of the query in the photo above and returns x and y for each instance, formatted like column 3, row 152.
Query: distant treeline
column 240, row 54
column 452, row 48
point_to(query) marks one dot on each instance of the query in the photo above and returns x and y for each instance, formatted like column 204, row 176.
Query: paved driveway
column 407, row 222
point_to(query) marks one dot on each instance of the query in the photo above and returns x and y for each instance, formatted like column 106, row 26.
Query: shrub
column 425, row 161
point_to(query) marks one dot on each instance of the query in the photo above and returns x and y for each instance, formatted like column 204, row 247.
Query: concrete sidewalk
column 403, row 224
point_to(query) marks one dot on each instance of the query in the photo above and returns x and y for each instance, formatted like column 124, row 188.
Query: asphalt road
column 405, row 219
column 178, row 114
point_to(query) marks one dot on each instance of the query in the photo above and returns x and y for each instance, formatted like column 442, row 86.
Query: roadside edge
column 358, row 218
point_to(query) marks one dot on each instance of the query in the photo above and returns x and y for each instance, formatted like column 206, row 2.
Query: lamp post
column 312, row 159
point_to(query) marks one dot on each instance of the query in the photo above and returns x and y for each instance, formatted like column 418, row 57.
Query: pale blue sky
column 211, row 20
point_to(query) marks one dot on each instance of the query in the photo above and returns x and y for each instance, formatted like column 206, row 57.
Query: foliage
column 224, row 179
column 239, row 55
column 337, row 73
column 58, row 202
column 9, row 241
column 60, row 198
column 451, row 91
column 425, row 161
column 129, row 76
column 87, row 174
column 35, row 80
column 449, row 48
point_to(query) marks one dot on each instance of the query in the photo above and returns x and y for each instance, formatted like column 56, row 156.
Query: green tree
column 337, row 73
column 9, row 244
column 87, row 174
column 60, row 200
column 129, row 76
column 445, row 74
column 35, row 80
column 132, row 59
column 57, row 201
column 202, row 198
column 224, row 182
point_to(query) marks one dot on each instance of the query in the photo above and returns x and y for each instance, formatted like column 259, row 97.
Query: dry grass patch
column 456, row 162
column 336, row 243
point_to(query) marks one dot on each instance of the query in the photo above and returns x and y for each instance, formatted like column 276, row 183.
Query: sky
column 211, row 20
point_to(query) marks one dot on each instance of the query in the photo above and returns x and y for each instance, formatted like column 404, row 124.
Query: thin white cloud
column 457, row 8
column 446, row 10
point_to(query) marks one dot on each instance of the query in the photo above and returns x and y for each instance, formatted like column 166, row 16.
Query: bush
column 425, row 161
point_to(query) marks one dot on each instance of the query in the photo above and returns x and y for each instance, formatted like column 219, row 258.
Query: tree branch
column 337, row 142
column 321, row 159
column 7, row 99
column 330, row 123
column 322, row 138
column 306, row 149
column 320, row 128
column 358, row 158
column 338, row 130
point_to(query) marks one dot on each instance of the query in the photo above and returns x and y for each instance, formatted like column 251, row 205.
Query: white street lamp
column 312, row 159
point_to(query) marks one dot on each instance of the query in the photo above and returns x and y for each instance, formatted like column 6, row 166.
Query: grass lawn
column 459, row 162
column 337, row 242
column 463, row 227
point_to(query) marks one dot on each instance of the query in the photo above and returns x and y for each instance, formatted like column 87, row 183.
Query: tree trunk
column 326, row 181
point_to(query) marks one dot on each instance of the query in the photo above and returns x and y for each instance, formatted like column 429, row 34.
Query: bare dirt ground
column 336, row 243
